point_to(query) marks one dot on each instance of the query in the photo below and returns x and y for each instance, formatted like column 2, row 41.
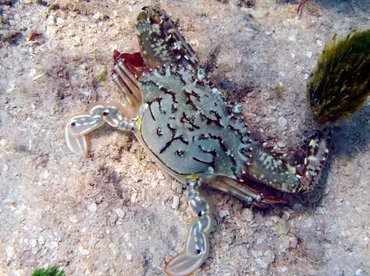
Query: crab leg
column 277, row 173
column 125, row 76
column 197, row 246
column 79, row 125
column 243, row 191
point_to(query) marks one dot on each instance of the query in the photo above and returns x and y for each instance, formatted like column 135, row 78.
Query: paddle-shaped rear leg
column 78, row 126
column 197, row 246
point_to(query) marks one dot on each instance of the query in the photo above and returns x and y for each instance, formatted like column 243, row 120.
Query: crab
column 191, row 131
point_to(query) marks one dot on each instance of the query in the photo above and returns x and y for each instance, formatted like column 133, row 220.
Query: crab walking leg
column 197, row 246
column 79, row 125
column 126, row 80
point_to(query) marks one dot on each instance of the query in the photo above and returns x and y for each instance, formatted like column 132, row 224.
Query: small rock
column 260, row 240
column 175, row 202
column 160, row 175
column 281, row 144
column 83, row 251
column 293, row 242
column 114, row 249
column 77, row 41
column 120, row 213
column 73, row 219
column 92, row 242
column 33, row 243
column 97, row 16
column 292, row 38
column 41, row 240
column 265, row 261
column 92, row 207
column 60, row 22
column 248, row 214
column 128, row 256
column 53, row 245
column 282, row 122
column 282, row 229
column 99, row 199
column 224, row 213
column 133, row 197
column 45, row 174
column 10, row 251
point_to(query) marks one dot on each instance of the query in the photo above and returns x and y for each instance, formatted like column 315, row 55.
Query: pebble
column 176, row 186
column 114, row 249
column 160, row 175
column 97, row 16
column 248, row 214
column 133, row 197
column 260, row 240
column 120, row 213
column 281, row 144
column 41, row 240
column 224, row 213
column 175, row 202
column 282, row 122
column 73, row 219
column 10, row 252
column 128, row 256
column 267, row 258
column 91, row 207
column 33, row 243
column 293, row 242
column 83, row 251
column 60, row 22
column 282, row 229
column 99, row 199
column 77, row 41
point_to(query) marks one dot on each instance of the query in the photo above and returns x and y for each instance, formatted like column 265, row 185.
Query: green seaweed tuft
column 340, row 84
column 50, row 271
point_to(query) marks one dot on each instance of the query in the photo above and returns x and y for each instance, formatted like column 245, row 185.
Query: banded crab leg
column 243, row 191
column 80, row 125
column 270, row 170
column 128, row 68
column 197, row 245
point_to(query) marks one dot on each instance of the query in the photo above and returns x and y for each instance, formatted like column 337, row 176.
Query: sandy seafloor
column 116, row 213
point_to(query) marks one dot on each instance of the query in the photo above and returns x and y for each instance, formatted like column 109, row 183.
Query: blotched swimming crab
column 191, row 131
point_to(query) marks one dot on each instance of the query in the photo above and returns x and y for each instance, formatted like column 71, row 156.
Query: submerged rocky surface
column 115, row 213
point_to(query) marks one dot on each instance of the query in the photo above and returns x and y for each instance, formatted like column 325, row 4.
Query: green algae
column 340, row 84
